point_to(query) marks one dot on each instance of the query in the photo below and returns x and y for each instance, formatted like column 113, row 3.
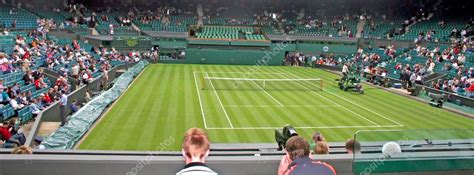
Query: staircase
column 434, row 77
column 360, row 28
column 94, row 31
column 200, row 13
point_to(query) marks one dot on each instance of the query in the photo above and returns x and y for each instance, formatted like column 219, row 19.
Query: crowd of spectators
column 410, row 66
column 309, row 60
column 461, row 85
column 28, row 58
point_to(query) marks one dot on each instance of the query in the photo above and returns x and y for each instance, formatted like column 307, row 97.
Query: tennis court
column 167, row 99
column 278, row 98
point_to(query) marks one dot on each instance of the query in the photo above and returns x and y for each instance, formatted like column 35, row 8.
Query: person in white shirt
column 111, row 29
column 461, row 58
column 431, row 67
column 313, row 60
column 75, row 71
column 62, row 107
column 15, row 104
column 418, row 79
column 345, row 70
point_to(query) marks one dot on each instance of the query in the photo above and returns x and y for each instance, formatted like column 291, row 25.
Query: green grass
column 164, row 102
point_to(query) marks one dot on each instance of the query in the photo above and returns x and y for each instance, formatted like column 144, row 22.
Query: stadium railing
column 433, row 160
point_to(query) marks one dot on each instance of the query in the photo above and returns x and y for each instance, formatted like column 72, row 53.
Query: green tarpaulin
column 80, row 122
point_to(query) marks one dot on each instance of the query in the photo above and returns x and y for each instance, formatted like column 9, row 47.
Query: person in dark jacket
column 301, row 164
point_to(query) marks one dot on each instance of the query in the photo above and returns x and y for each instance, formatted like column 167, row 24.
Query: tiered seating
column 216, row 32
column 25, row 115
column 10, row 79
column 381, row 30
column 81, row 29
column 176, row 24
column 104, row 26
column 271, row 31
column 221, row 32
column 57, row 17
column 27, row 88
column 7, row 112
column 442, row 34
column 325, row 30
column 254, row 37
column 229, row 21
column 24, row 19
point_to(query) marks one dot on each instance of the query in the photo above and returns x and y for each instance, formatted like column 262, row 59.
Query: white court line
column 220, row 102
column 241, row 73
column 200, row 102
column 268, row 94
column 290, row 106
column 306, row 127
column 336, row 102
column 345, row 99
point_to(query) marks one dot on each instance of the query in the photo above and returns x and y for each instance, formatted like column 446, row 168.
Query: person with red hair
column 195, row 149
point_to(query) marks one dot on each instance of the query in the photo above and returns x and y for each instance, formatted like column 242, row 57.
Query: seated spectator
column 35, row 110
column 18, row 139
column 37, row 143
column 28, row 78
column 73, row 107
column 353, row 146
column 195, row 150
column 321, row 148
column 47, row 100
column 470, row 89
column 12, row 127
column 21, row 99
column 22, row 150
column 317, row 137
column 4, row 98
column 15, row 104
column 297, row 160
column 16, row 89
column 40, row 84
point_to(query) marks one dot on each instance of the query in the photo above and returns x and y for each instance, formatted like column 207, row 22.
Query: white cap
column 391, row 148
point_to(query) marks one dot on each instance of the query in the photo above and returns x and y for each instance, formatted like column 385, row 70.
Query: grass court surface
column 166, row 100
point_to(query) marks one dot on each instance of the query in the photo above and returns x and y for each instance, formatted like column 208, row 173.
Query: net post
column 322, row 83
column 202, row 83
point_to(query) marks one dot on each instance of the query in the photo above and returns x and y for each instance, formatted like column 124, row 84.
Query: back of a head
column 22, row 150
column 296, row 147
column 321, row 148
column 353, row 146
column 195, row 143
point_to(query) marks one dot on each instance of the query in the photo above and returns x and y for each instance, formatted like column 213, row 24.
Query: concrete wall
column 52, row 113
column 104, row 163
